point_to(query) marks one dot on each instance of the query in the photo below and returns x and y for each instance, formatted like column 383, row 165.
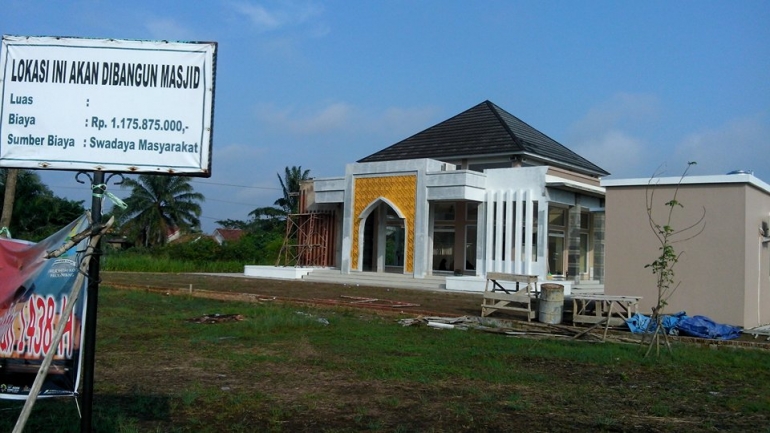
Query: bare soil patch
column 388, row 299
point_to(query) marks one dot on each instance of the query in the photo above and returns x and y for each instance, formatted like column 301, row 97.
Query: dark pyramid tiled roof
column 485, row 129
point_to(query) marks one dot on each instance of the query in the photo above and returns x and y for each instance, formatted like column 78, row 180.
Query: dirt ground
column 418, row 301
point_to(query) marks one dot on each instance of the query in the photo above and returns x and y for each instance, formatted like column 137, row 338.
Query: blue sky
column 632, row 86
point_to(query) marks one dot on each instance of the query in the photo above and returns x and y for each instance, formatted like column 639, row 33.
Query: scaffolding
column 308, row 240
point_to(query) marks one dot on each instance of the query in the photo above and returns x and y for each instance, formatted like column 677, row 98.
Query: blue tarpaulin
column 639, row 323
column 703, row 327
column 680, row 323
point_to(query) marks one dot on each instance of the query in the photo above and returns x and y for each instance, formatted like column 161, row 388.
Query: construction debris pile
column 210, row 319
column 519, row 328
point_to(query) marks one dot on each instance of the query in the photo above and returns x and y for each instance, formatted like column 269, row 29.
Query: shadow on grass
column 132, row 412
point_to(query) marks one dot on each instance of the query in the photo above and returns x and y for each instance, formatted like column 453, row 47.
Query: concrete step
column 588, row 286
column 375, row 279
column 589, row 282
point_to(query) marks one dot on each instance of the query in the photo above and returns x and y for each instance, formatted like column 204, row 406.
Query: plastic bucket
column 551, row 304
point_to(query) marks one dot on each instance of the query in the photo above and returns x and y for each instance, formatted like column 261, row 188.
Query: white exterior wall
column 494, row 189
column 523, row 187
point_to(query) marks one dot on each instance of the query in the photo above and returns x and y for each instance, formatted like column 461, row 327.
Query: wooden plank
column 609, row 319
column 586, row 331
column 597, row 308
column 517, row 300
column 529, row 281
column 518, row 278
column 607, row 298
column 512, row 297
column 614, row 321
column 489, row 306
column 507, row 308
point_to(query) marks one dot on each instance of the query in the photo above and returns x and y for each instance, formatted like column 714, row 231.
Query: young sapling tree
column 663, row 266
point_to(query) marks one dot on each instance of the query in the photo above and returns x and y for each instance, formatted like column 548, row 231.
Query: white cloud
column 740, row 144
column 237, row 152
column 406, row 122
column 168, row 29
column 279, row 14
column 260, row 17
column 607, row 136
column 333, row 117
column 344, row 118
column 624, row 110
column 615, row 151
column 619, row 136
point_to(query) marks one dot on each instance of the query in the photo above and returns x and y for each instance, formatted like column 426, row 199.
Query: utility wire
column 231, row 202
column 237, row 186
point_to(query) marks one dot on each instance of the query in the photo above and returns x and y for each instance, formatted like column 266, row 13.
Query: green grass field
column 291, row 368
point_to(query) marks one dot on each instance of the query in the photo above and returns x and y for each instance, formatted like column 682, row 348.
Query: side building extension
column 722, row 273
column 480, row 192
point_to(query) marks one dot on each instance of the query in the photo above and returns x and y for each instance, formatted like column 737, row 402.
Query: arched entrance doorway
column 382, row 238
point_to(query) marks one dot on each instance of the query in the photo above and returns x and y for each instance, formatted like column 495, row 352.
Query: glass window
column 472, row 211
column 394, row 239
column 584, row 252
column 556, row 216
column 585, row 220
column 470, row 248
column 443, row 249
column 445, row 212
column 535, row 216
column 556, row 253
column 523, row 222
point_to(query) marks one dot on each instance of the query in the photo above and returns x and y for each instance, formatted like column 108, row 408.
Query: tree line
column 157, row 206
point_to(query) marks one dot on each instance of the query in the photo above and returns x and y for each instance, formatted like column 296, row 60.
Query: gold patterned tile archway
column 401, row 191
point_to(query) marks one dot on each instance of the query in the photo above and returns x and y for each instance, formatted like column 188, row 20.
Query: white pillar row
column 508, row 230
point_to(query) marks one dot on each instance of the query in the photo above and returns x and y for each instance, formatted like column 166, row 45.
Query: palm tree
column 290, row 186
column 271, row 217
column 267, row 218
column 158, row 205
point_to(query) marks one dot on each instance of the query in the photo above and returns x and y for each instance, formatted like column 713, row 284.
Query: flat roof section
column 690, row 180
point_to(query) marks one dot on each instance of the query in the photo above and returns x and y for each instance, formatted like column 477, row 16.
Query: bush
column 200, row 249
column 199, row 254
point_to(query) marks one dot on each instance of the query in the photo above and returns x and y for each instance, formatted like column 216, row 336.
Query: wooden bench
column 517, row 300
column 612, row 310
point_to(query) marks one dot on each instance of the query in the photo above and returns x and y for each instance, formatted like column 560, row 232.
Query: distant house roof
column 485, row 130
column 227, row 235
column 173, row 233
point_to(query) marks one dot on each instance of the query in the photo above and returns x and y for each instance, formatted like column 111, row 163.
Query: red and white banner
column 34, row 291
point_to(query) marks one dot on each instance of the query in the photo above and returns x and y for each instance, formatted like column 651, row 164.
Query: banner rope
column 103, row 188
column 7, row 233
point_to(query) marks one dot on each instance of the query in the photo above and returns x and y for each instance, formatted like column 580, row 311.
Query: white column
column 518, row 235
column 488, row 253
column 499, row 224
column 530, row 231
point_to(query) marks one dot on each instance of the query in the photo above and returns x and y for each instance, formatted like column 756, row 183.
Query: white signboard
column 106, row 104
